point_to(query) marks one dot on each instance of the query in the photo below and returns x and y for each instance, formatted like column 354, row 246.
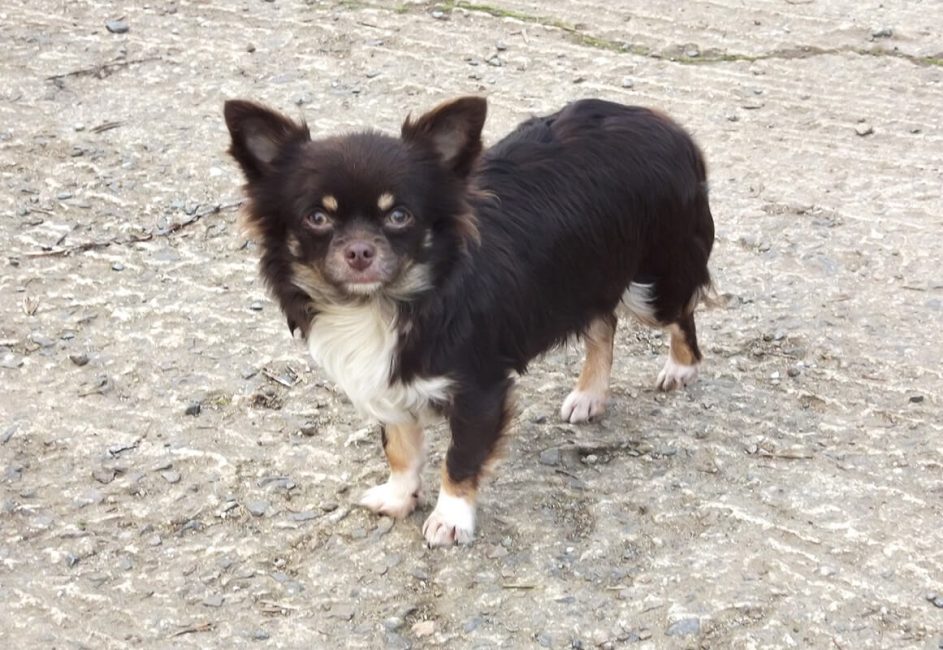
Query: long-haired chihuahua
column 424, row 272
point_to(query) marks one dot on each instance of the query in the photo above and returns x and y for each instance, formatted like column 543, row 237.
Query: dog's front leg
column 405, row 450
column 478, row 417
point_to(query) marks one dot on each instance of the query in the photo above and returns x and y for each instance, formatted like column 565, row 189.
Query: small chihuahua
column 423, row 272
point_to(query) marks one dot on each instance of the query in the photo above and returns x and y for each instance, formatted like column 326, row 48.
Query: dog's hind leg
column 588, row 398
column 684, row 356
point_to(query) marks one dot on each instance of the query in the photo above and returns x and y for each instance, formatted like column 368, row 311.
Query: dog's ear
column 258, row 135
column 453, row 129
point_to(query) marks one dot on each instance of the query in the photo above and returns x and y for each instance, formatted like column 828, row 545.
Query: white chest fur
column 354, row 346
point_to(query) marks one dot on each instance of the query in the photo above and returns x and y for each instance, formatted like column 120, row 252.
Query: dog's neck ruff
column 355, row 345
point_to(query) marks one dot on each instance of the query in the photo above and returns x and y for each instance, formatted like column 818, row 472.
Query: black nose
column 359, row 255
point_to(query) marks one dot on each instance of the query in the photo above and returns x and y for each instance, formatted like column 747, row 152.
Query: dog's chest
column 354, row 345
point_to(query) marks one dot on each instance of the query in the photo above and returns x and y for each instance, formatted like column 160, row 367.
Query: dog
column 424, row 272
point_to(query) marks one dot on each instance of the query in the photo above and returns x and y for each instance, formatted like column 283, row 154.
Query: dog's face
column 347, row 217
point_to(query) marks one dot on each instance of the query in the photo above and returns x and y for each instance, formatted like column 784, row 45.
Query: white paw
column 452, row 522
column 582, row 406
column 396, row 498
column 675, row 375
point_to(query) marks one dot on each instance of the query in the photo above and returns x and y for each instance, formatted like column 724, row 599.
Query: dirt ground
column 792, row 498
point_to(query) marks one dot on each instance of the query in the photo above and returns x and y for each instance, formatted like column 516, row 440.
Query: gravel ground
column 173, row 473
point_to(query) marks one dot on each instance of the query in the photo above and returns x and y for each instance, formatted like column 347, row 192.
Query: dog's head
column 344, row 218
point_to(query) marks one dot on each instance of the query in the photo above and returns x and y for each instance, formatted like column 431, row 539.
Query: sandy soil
column 792, row 498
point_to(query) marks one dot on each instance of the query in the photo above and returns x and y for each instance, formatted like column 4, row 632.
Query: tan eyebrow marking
column 329, row 202
column 386, row 200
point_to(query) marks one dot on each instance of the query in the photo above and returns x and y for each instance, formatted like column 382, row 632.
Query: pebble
column 793, row 371
column 171, row 476
column 258, row 508
column 214, row 600
column 193, row 409
column 544, row 640
column 627, row 82
column 916, row 399
column 343, row 612
column 549, row 457
column 260, row 635
column 883, row 32
column 500, row 46
column 304, row 515
column 117, row 266
column 79, row 359
column 125, row 563
column 154, row 540
column 103, row 475
column 684, row 627
column 117, row 26
column 62, row 196
column 384, row 526
column 41, row 341
column 864, row 129
column 256, row 305
column 935, row 599
column 71, row 559
column 472, row 624
column 423, row 628
column 250, row 48
column 440, row 15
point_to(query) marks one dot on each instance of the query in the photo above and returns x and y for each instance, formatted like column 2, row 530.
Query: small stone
column 213, row 600
column 385, row 526
column 883, row 32
column 733, row 117
column 628, row 82
column 304, row 515
column 258, row 508
column 330, row 506
column 692, row 51
column 937, row 601
column 793, row 371
column 916, row 399
column 103, row 475
column 500, row 46
column 250, row 48
column 544, row 640
column 439, row 15
column 117, row 26
column 125, row 563
column 117, row 266
column 41, row 340
column 79, row 359
column 62, row 196
column 71, row 559
column 684, row 627
column 260, row 635
column 579, row 80
column 256, row 305
column 423, row 628
column 550, row 457
column 472, row 624
column 171, row 476
column 193, row 409
column 864, row 129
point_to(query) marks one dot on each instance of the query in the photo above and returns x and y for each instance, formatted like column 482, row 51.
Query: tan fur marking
column 329, row 202
column 679, row 350
column 404, row 446
column 597, row 367
column 309, row 279
column 386, row 201
column 294, row 246
column 250, row 225
column 466, row 489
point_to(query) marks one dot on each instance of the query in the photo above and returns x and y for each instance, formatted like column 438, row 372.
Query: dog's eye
column 318, row 220
column 399, row 218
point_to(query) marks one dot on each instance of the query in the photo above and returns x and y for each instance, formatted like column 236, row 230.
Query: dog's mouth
column 363, row 287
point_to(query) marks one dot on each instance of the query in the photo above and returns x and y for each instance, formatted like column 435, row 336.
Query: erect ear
column 258, row 135
column 453, row 129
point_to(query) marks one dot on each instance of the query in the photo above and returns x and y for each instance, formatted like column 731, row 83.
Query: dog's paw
column 582, row 406
column 393, row 499
column 675, row 375
column 452, row 522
